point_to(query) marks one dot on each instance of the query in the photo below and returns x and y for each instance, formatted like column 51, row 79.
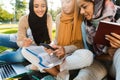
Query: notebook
column 40, row 58
column 105, row 28
column 11, row 70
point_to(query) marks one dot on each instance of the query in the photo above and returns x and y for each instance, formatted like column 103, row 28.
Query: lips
column 40, row 13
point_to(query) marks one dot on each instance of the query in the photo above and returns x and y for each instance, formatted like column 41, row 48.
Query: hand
column 59, row 52
column 111, row 51
column 27, row 42
column 49, row 51
column 114, row 40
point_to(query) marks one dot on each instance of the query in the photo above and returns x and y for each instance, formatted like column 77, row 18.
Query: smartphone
column 47, row 46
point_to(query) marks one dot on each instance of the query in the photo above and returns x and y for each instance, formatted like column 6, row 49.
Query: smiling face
column 67, row 6
column 40, row 7
column 86, row 8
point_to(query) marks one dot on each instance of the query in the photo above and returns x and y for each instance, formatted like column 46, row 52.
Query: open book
column 38, row 56
column 105, row 28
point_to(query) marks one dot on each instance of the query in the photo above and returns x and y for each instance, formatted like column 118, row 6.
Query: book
column 37, row 55
column 105, row 28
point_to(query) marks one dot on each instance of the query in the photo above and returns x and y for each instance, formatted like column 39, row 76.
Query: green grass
column 7, row 29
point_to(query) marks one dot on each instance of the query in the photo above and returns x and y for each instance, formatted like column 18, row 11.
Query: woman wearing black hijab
column 34, row 28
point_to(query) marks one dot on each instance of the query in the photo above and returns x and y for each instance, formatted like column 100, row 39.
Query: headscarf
column 103, row 10
column 38, row 26
column 69, row 31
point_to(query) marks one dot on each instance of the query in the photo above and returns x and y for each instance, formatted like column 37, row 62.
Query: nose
column 82, row 11
column 40, row 8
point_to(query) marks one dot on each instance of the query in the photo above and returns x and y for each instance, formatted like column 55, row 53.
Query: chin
column 40, row 15
column 88, row 18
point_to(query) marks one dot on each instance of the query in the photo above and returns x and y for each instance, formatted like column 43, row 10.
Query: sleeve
column 22, row 29
column 49, row 25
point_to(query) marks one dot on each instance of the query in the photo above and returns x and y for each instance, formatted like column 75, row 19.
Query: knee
column 82, row 56
column 79, row 59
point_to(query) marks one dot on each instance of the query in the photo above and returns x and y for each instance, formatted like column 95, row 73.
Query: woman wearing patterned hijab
column 94, row 11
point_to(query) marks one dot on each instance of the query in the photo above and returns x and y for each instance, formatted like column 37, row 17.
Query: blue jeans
column 10, row 56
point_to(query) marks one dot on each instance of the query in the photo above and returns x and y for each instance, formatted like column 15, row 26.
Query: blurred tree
column 54, row 13
column 5, row 16
column 19, row 8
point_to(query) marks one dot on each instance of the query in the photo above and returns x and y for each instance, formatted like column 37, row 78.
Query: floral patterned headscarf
column 103, row 10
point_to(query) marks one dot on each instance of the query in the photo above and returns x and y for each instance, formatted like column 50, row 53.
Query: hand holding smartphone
column 47, row 46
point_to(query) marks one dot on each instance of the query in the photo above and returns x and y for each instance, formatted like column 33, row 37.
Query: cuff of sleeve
column 20, row 43
column 70, row 49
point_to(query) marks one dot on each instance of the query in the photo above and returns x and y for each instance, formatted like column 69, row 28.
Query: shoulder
column 24, row 18
column 58, row 18
column 23, row 21
column 49, row 20
column 49, row 16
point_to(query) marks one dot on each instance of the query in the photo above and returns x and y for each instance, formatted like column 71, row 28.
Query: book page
column 45, row 60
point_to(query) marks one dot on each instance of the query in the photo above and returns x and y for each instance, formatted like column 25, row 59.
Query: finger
column 112, row 39
column 49, row 51
column 113, row 45
column 55, row 46
column 116, row 35
column 56, row 51
column 27, row 39
column 59, row 55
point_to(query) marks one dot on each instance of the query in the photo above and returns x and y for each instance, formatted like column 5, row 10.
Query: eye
column 85, row 6
column 36, row 6
column 43, row 6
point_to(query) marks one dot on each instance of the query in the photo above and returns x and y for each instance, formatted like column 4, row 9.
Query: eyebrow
column 38, row 4
column 83, row 5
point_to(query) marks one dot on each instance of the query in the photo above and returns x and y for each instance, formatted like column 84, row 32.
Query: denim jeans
column 10, row 56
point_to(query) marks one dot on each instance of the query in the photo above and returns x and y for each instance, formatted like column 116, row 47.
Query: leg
column 94, row 72
column 12, row 56
column 71, row 62
column 5, row 40
column 116, row 65
column 79, row 59
column 53, row 71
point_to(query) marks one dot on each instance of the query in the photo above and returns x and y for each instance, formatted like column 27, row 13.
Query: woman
column 94, row 11
column 34, row 28
column 68, row 40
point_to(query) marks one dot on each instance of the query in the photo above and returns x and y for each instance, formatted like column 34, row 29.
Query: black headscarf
column 38, row 26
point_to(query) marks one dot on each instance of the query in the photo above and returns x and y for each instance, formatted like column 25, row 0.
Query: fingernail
column 106, row 38
column 111, row 33
column 51, row 54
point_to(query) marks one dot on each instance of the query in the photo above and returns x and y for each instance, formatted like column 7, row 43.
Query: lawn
column 7, row 29
column 12, row 28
